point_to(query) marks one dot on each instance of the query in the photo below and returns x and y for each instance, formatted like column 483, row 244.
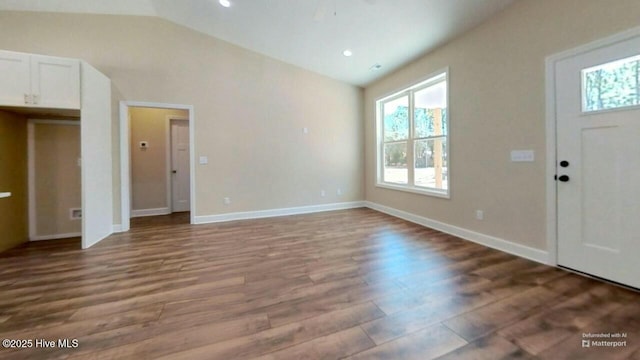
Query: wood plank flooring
column 353, row 284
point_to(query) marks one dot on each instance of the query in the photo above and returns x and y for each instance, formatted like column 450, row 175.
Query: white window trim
column 427, row 81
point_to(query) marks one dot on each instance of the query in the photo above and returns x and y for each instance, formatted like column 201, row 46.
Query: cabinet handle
column 26, row 98
column 35, row 99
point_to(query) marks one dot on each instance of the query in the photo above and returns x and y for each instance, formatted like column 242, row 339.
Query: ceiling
column 311, row 34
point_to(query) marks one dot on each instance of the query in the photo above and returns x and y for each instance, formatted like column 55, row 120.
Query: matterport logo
column 612, row 340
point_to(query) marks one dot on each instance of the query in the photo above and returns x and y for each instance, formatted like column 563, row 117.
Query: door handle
column 563, row 178
column 174, row 171
column 564, row 163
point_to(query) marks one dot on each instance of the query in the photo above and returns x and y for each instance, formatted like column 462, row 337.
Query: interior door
column 180, row 172
column 97, row 162
column 598, row 154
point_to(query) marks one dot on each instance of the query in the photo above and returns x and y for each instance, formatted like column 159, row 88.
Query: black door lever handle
column 563, row 178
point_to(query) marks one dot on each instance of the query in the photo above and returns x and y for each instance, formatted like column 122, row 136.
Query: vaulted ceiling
column 312, row 34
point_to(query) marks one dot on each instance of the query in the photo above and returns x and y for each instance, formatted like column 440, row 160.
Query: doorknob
column 563, row 178
column 174, row 171
column 564, row 163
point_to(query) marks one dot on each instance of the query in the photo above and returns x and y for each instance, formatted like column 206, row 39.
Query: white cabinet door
column 15, row 89
column 55, row 82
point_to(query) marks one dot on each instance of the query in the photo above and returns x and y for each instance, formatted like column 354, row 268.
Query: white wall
column 497, row 104
column 249, row 109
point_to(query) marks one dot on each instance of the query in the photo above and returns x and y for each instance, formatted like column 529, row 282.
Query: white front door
column 598, row 161
column 180, row 172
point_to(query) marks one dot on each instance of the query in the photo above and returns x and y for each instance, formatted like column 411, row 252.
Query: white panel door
column 180, row 172
column 598, row 168
column 55, row 82
column 95, row 134
column 15, row 88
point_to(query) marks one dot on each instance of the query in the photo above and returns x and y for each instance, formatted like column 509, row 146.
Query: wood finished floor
column 353, row 284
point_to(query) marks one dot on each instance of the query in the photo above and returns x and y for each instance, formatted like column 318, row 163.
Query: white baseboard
column 54, row 237
column 150, row 212
column 510, row 247
column 277, row 212
column 116, row 228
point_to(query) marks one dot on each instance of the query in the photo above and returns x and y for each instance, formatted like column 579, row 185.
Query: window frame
column 428, row 81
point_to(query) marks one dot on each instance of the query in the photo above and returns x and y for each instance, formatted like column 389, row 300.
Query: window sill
column 416, row 190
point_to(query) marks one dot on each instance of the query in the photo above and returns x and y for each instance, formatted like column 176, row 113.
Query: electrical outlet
column 323, row 193
column 75, row 214
column 226, row 201
column 339, row 192
column 479, row 214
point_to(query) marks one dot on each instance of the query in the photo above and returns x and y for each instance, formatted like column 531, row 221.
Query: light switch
column 522, row 155
column 204, row 160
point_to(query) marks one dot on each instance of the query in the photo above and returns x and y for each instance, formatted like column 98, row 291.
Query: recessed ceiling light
column 347, row 53
column 225, row 3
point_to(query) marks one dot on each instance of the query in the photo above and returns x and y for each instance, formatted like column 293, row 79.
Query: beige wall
column 149, row 166
column 56, row 178
column 13, row 178
column 249, row 109
column 497, row 104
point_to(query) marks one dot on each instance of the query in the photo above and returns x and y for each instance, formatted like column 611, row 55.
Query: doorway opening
column 157, row 163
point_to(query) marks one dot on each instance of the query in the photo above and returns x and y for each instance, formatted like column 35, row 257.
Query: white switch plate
column 305, row 130
column 204, row 160
column 522, row 155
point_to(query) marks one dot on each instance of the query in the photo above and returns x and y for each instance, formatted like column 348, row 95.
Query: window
column 413, row 138
column 611, row 85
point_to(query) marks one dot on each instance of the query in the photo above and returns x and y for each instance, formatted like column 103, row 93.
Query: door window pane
column 611, row 85
column 395, row 163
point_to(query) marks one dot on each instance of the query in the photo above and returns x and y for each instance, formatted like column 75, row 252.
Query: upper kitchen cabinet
column 39, row 81
column 15, row 87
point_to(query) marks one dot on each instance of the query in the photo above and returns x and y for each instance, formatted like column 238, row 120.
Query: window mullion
column 410, row 144
column 380, row 123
